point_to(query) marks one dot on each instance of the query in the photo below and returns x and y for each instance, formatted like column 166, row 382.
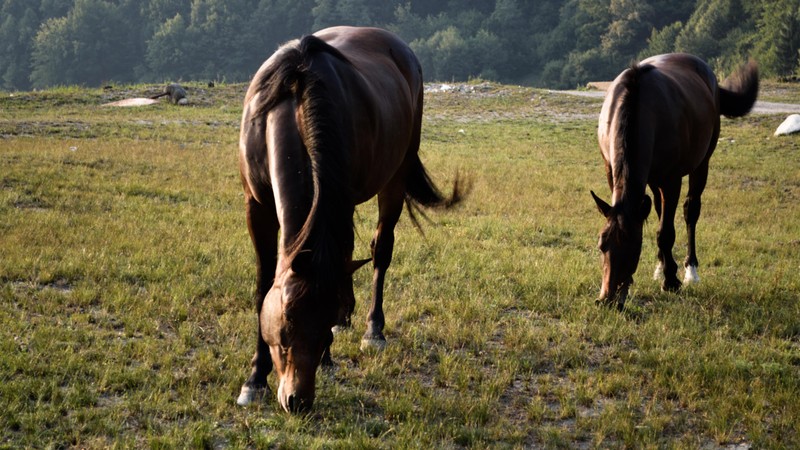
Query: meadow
column 127, row 276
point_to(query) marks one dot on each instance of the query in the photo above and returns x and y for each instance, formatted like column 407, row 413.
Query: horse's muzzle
column 293, row 401
column 614, row 297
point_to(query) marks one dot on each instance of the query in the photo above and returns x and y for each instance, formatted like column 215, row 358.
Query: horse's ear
column 645, row 209
column 352, row 266
column 301, row 263
column 602, row 206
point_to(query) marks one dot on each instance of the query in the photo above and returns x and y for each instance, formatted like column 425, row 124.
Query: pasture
column 126, row 282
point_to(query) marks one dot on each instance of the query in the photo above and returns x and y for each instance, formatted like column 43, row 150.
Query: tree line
column 546, row 43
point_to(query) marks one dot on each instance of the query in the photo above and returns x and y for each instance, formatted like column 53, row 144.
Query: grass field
column 126, row 277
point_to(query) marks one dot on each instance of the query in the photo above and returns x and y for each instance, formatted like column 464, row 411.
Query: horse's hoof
column 608, row 303
column 373, row 344
column 618, row 302
column 671, row 286
column 329, row 369
column 690, row 276
column 250, row 394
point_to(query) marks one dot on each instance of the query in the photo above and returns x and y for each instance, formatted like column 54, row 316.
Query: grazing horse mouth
column 614, row 297
column 294, row 402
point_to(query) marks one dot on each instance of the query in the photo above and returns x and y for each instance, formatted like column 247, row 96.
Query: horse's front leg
column 670, row 194
column 262, row 222
column 382, row 245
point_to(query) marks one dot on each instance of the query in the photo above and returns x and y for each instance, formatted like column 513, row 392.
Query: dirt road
column 759, row 108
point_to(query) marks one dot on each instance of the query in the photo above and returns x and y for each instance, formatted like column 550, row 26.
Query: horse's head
column 296, row 321
column 621, row 246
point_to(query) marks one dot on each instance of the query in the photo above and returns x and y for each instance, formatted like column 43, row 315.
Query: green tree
column 661, row 41
column 18, row 26
column 90, row 45
column 54, row 8
column 51, row 55
column 353, row 12
column 721, row 32
column 505, row 34
column 630, row 25
column 444, row 55
column 667, row 12
column 779, row 37
column 407, row 24
column 708, row 26
column 553, row 43
column 168, row 53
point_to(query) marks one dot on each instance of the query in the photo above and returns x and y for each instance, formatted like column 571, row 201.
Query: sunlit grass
column 127, row 276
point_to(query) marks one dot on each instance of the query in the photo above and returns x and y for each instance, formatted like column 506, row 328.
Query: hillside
column 549, row 43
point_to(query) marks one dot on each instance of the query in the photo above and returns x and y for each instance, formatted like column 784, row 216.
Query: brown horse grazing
column 329, row 121
column 660, row 122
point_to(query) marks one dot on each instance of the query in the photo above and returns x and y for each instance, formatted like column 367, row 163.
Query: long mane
column 305, row 73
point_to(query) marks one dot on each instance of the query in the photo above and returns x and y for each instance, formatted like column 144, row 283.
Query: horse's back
column 374, row 51
column 684, row 99
column 384, row 101
column 677, row 112
column 375, row 81
column 682, row 82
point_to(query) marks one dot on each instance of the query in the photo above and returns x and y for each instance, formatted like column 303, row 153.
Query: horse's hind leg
column 262, row 222
column 670, row 194
column 658, row 273
column 390, row 204
column 691, row 213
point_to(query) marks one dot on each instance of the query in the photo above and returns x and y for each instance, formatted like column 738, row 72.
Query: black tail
column 302, row 71
column 420, row 191
column 740, row 91
column 625, row 126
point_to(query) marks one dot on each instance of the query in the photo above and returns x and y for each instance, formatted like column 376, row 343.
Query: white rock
column 789, row 126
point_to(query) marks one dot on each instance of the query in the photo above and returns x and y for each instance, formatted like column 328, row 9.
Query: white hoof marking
column 690, row 276
column 658, row 274
column 247, row 395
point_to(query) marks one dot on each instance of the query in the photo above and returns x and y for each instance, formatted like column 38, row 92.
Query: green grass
column 126, row 277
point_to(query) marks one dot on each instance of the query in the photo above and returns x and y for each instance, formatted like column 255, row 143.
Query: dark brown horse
column 660, row 122
column 329, row 121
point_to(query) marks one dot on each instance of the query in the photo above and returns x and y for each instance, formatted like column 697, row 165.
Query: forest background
column 541, row 43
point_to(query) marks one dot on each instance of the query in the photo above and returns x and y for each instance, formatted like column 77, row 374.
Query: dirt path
column 759, row 108
column 775, row 108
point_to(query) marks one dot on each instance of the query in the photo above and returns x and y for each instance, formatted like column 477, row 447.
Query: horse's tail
column 420, row 188
column 421, row 191
column 626, row 92
column 300, row 74
column 290, row 75
column 738, row 93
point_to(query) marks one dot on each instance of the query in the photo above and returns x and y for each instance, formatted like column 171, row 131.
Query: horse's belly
column 374, row 173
